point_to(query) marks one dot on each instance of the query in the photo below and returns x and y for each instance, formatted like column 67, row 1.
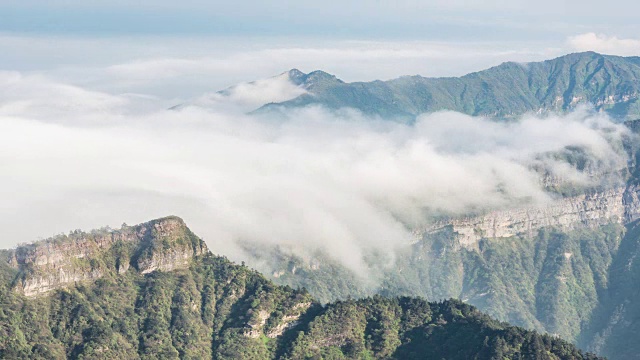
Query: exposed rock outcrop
column 164, row 244
column 619, row 205
column 254, row 329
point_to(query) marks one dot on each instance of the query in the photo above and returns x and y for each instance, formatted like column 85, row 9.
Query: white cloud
column 85, row 141
column 605, row 44
column 186, row 67
column 308, row 178
column 250, row 96
column 351, row 60
column 38, row 97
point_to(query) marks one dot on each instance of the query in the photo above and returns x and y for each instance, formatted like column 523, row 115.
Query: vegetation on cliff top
column 215, row 309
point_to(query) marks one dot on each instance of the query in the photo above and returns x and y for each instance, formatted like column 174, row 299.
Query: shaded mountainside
column 610, row 83
column 156, row 292
column 565, row 268
column 581, row 284
column 549, row 282
column 615, row 323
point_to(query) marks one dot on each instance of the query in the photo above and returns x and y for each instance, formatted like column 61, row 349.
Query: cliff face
column 218, row 310
column 619, row 205
column 163, row 244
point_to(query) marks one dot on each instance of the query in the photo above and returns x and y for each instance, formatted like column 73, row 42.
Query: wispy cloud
column 185, row 67
column 605, row 44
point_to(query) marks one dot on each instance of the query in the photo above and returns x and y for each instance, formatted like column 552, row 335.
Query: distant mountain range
column 610, row 83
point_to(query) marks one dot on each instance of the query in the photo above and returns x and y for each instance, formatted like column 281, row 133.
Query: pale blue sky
column 183, row 48
column 405, row 19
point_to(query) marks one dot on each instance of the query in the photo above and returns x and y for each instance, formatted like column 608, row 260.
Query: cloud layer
column 306, row 178
column 86, row 141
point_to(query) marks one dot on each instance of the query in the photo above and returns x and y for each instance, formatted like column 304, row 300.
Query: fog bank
column 307, row 178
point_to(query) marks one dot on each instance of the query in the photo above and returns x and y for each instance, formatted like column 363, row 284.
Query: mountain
column 572, row 283
column 577, row 281
column 610, row 83
column 567, row 268
column 154, row 291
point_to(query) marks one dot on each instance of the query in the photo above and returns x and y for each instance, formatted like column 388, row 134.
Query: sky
column 405, row 19
column 193, row 46
column 86, row 139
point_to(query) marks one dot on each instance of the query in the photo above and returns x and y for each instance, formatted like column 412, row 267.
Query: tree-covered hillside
column 610, row 83
column 213, row 309
column 550, row 282
column 579, row 284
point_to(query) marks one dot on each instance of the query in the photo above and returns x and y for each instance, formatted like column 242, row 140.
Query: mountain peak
column 296, row 76
column 609, row 83
column 161, row 244
column 319, row 74
column 585, row 55
column 314, row 78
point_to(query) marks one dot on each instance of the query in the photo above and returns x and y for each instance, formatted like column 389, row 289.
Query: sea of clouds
column 308, row 179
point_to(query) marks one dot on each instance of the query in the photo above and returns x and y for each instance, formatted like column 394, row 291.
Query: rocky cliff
column 619, row 205
column 218, row 310
column 163, row 244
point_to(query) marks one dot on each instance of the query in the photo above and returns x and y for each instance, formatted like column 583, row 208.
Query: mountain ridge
column 51, row 264
column 610, row 83
column 212, row 308
column 620, row 205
